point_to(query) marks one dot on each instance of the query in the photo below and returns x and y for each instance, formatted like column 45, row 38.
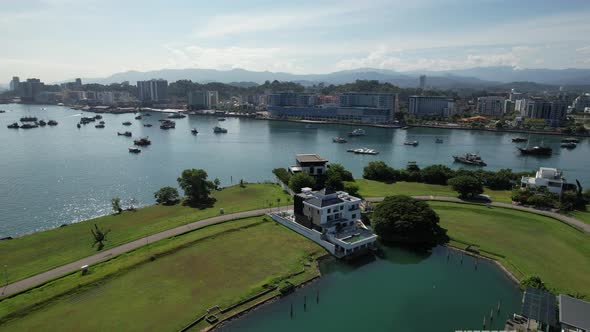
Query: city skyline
column 98, row 38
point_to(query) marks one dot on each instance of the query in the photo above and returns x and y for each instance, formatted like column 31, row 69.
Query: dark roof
column 540, row 306
column 324, row 198
column 574, row 312
column 310, row 158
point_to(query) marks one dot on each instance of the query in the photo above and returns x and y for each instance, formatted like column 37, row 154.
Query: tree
column 100, row 236
column 541, row 201
column 334, row 182
column 338, row 169
column 116, row 204
column 282, row 174
column 500, row 180
column 351, row 188
column 403, row 219
column 301, row 180
column 534, row 281
column 380, row 171
column 217, row 183
column 466, row 186
column 436, row 174
column 167, row 196
column 195, row 186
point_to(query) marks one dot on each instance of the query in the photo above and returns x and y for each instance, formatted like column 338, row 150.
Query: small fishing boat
column 138, row 117
column 219, row 130
column 570, row 140
column 101, row 122
column 78, row 125
column 127, row 123
column 194, row 131
column 127, row 133
column 134, row 150
column 536, row 151
column 357, row 132
column 167, row 124
column 28, row 126
column 42, row 123
column 470, row 159
column 54, row 123
column 412, row 143
column 147, row 125
column 99, row 126
column 519, row 139
column 439, row 141
column 28, row 119
column 339, row 140
column 144, row 141
column 176, row 116
column 98, row 117
column 220, row 119
column 363, row 151
column 569, row 145
column 14, row 125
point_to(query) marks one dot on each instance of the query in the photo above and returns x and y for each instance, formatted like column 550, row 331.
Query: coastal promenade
column 49, row 275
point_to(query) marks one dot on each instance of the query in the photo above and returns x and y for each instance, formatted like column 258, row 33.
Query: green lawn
column 526, row 243
column 223, row 264
column 369, row 188
column 582, row 215
column 42, row 251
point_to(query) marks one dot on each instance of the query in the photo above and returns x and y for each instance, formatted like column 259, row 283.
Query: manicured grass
column 42, row 251
column 166, row 294
column 582, row 215
column 525, row 243
column 369, row 188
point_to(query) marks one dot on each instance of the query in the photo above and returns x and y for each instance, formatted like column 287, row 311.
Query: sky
column 58, row 40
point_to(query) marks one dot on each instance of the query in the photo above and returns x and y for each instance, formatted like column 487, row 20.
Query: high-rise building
column 14, row 83
column 152, row 90
column 203, row 99
column 580, row 103
column 422, row 82
column 552, row 111
column 30, row 88
column 419, row 106
column 490, row 105
column 78, row 83
column 213, row 99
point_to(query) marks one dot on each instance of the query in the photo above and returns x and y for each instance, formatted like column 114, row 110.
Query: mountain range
column 479, row 77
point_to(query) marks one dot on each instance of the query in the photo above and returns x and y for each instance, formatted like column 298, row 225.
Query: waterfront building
column 311, row 164
column 550, row 178
column 75, row 85
column 574, row 314
column 291, row 99
column 580, row 103
column 14, row 82
column 74, row 96
column 105, row 97
column 330, row 218
column 203, row 99
column 491, row 106
column 508, row 106
column 514, row 96
column 439, row 106
column 552, row 111
column 30, row 88
column 152, row 90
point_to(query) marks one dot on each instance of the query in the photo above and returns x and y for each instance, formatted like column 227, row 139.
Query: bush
column 403, row 219
column 521, row 195
column 301, row 180
column 534, row 281
column 196, row 186
column 436, row 174
column 282, row 174
column 167, row 196
column 351, row 188
column 334, row 182
column 337, row 169
column 541, row 201
column 380, row 171
column 466, row 186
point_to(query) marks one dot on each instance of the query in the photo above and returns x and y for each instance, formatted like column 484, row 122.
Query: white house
column 311, row 164
column 330, row 218
column 550, row 178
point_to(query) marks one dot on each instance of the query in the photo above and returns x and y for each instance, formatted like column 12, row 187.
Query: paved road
column 565, row 219
column 91, row 260
column 107, row 254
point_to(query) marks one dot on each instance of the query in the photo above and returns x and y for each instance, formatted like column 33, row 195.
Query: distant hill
column 475, row 78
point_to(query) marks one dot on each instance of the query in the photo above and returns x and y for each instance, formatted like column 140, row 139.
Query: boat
column 439, row 140
column 127, row 123
column 310, row 126
column 219, row 130
column 28, row 126
column 537, row 151
column 176, row 116
column 339, row 140
column 569, row 145
column 470, row 159
column 53, row 123
column 2, row 111
column 220, row 119
column 147, row 125
column 357, row 132
column 146, row 114
column 127, row 133
column 85, row 120
column 14, row 125
column 412, row 143
column 363, row 151
column 138, row 117
column 42, row 123
column 78, row 125
column 134, row 150
column 405, row 127
column 101, row 122
column 570, row 140
column 98, row 117
column 519, row 139
column 194, row 131
column 144, row 141
column 167, row 124
column 28, row 119
column 100, row 126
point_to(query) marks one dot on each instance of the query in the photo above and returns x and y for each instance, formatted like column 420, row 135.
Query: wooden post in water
column 484, row 322
column 291, row 310
column 448, row 254
column 461, row 258
column 498, row 306
column 304, row 303
column 491, row 315
column 317, row 297
column 476, row 260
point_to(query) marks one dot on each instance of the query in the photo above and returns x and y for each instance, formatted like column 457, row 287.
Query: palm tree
column 100, row 236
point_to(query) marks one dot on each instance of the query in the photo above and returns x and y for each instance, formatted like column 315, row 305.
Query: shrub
column 282, row 174
column 167, row 196
column 301, row 180
column 436, row 174
column 379, row 171
column 466, row 186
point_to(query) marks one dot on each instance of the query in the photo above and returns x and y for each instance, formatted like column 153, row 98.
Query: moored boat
column 138, row 117
column 439, row 140
column 194, row 131
column 127, row 133
column 53, row 123
column 357, row 132
column 28, row 126
column 127, row 123
column 363, row 151
column 176, row 116
column 470, row 159
column 569, row 145
column 570, row 140
column 144, row 141
column 167, row 124
column 28, row 119
column 100, row 126
column 519, row 139
column 220, row 119
column 14, row 125
column 536, row 151
column 42, row 123
column 412, row 143
column 134, row 150
column 219, row 130
column 339, row 140
column 147, row 125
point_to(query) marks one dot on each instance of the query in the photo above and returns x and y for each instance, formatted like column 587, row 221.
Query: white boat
column 412, row 143
column 339, row 140
column 358, row 132
column 363, row 151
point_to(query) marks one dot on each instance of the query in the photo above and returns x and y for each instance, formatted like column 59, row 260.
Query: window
column 329, row 210
column 353, row 215
column 341, row 207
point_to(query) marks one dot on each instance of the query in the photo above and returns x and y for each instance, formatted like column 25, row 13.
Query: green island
column 175, row 280
column 38, row 252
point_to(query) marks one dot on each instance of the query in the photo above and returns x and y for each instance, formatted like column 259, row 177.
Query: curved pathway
column 57, row 272
column 565, row 219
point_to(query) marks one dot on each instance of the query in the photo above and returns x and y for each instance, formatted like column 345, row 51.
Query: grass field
column 369, row 188
column 583, row 215
column 42, row 251
column 525, row 243
column 227, row 263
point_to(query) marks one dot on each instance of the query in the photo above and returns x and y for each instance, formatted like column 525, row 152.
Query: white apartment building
column 550, row 178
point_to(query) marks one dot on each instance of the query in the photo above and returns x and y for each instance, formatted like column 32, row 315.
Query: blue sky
column 61, row 39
